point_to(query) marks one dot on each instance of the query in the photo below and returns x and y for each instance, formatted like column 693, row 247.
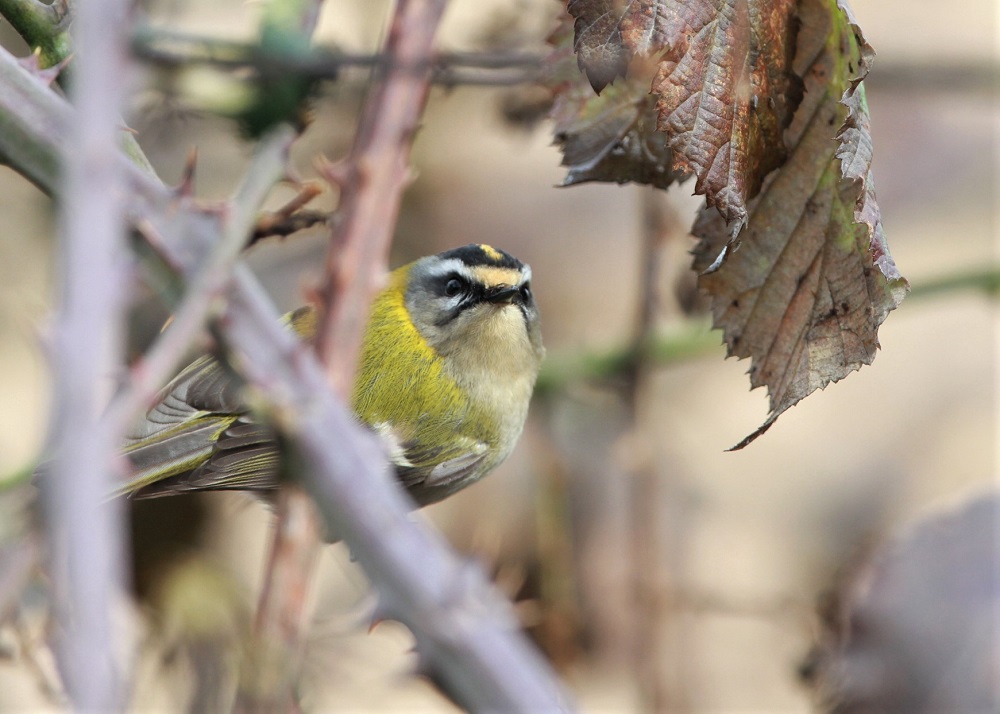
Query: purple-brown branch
column 268, row 683
column 371, row 187
column 371, row 184
column 206, row 287
column 86, row 533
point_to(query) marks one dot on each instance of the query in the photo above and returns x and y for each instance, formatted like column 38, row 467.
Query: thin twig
column 291, row 217
column 87, row 534
column 371, row 183
column 370, row 195
column 207, row 286
column 268, row 683
column 169, row 49
column 651, row 556
column 271, row 225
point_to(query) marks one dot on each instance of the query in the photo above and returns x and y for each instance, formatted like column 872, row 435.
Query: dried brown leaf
column 726, row 93
column 722, row 81
column 812, row 280
column 612, row 138
column 598, row 42
column 607, row 137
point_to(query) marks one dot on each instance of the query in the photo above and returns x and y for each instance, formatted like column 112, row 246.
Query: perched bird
column 447, row 367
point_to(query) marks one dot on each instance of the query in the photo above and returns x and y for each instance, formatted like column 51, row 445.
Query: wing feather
column 199, row 436
column 431, row 473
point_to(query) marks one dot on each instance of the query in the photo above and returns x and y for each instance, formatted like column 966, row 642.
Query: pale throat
column 501, row 364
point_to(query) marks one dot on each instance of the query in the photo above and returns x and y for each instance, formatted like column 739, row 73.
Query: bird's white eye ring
column 526, row 292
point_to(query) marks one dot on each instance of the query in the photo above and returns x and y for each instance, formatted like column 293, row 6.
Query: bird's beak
column 501, row 293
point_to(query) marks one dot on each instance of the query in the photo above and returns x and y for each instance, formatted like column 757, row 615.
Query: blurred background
column 646, row 560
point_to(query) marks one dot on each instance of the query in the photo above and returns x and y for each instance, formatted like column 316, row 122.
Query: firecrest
column 447, row 367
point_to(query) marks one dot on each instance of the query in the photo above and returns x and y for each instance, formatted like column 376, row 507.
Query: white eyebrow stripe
column 452, row 265
column 474, row 273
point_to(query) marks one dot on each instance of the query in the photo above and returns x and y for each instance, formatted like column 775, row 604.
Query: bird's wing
column 430, row 474
column 204, row 387
column 244, row 456
column 198, row 436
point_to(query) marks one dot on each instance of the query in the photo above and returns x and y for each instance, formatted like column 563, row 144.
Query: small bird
column 447, row 367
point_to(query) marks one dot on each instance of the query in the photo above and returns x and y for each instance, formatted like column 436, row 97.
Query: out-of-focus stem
column 267, row 683
column 86, row 531
column 32, row 123
column 652, row 548
column 370, row 190
column 207, row 286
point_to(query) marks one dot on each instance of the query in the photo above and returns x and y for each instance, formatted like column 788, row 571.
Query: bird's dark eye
column 454, row 286
column 526, row 293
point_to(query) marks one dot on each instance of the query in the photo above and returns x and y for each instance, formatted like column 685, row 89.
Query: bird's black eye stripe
column 454, row 285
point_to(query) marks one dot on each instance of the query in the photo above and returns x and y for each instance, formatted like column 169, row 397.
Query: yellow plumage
column 447, row 363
